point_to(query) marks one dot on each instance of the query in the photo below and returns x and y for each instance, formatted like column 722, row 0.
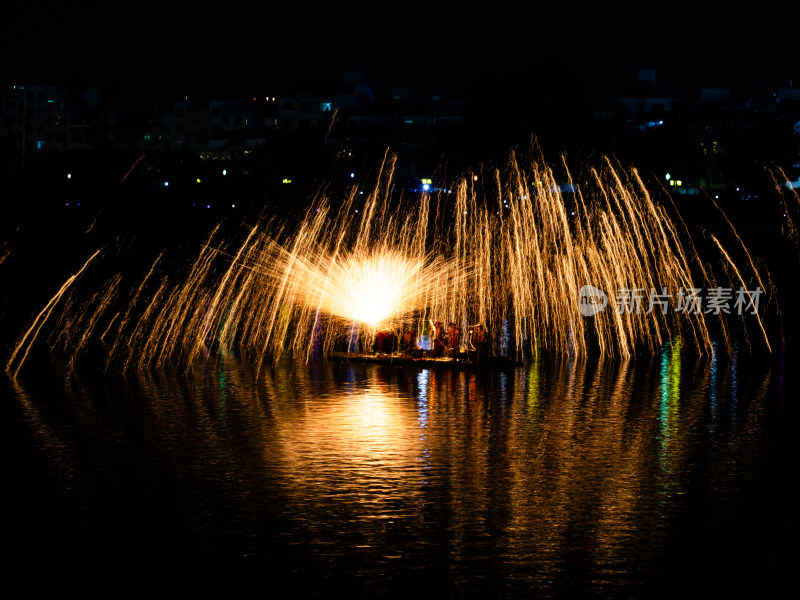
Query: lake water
column 667, row 476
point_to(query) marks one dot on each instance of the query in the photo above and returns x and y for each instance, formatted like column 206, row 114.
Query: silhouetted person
column 480, row 341
column 383, row 344
column 453, row 338
column 408, row 341
column 439, row 342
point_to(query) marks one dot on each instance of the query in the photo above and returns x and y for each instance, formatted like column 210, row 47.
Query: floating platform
column 465, row 361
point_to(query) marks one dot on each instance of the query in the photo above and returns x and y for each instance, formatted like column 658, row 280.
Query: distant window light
column 434, row 98
column 146, row 137
column 325, row 106
column 39, row 144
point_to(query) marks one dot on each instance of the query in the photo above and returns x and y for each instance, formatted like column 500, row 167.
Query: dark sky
column 150, row 48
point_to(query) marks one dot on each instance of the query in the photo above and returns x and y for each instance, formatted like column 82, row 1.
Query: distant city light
column 287, row 181
column 198, row 180
column 224, row 171
column 352, row 175
column 69, row 175
column 166, row 184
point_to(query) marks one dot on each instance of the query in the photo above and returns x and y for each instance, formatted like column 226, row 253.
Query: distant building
column 320, row 106
column 216, row 125
column 647, row 104
column 37, row 118
column 426, row 107
column 715, row 96
column 787, row 96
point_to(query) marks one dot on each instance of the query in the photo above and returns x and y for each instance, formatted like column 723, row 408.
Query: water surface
column 662, row 476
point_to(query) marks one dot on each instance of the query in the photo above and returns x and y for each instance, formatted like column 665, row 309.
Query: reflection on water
column 554, row 479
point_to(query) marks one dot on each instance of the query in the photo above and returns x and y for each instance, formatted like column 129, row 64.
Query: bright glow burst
column 373, row 289
column 512, row 257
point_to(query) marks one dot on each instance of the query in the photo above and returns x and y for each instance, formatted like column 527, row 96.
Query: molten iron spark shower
column 514, row 261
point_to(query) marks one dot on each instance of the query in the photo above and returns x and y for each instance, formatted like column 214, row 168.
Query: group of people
column 446, row 341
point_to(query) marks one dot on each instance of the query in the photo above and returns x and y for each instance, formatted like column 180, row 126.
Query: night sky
column 148, row 49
